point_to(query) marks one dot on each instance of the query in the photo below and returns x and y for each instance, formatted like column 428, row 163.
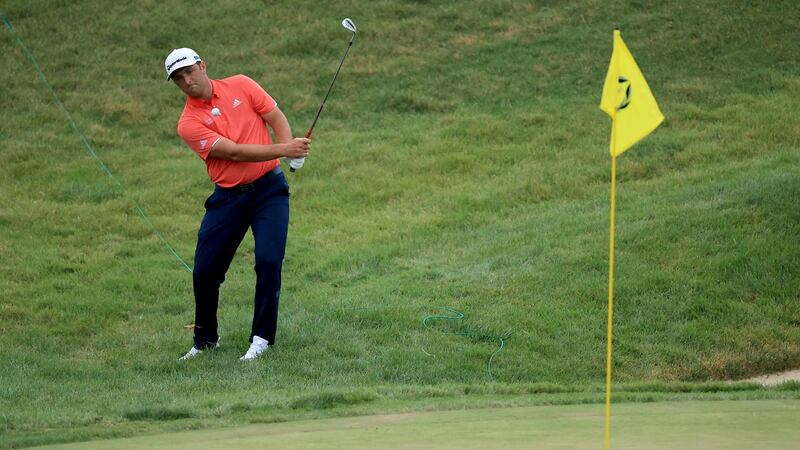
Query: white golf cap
column 178, row 58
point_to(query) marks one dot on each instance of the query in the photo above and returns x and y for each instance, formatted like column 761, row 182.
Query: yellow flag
column 628, row 100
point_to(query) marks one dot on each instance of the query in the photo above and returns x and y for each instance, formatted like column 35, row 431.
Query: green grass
column 461, row 162
column 688, row 425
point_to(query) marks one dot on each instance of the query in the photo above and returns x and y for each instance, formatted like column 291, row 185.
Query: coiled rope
column 454, row 315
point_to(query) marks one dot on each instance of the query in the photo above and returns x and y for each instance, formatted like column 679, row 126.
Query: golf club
column 348, row 24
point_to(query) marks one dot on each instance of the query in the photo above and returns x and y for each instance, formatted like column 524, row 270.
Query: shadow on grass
column 158, row 413
column 328, row 400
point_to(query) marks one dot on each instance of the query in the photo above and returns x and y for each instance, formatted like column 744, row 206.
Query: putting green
column 704, row 425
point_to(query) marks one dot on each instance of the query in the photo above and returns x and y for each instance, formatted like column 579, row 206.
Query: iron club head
column 349, row 25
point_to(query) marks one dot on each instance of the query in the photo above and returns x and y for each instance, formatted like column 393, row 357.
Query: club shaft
column 330, row 88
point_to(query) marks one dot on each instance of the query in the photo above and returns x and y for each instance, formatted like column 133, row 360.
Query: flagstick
column 610, row 294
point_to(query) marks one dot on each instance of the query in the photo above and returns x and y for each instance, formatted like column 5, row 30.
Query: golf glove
column 296, row 163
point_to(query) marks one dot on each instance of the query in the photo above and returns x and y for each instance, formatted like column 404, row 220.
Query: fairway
column 686, row 425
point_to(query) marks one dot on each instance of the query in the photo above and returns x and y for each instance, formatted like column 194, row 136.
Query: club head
column 349, row 25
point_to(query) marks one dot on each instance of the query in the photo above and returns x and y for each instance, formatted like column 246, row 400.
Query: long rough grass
column 461, row 163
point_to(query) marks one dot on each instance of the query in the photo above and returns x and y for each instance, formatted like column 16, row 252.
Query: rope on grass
column 88, row 146
column 455, row 315
column 452, row 315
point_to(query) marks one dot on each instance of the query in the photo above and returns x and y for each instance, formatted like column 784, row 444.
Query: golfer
column 225, row 122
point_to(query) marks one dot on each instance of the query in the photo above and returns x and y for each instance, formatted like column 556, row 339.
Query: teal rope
column 88, row 146
column 458, row 316
column 502, row 338
column 455, row 315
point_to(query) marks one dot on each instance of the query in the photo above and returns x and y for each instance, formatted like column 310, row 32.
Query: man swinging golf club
column 225, row 122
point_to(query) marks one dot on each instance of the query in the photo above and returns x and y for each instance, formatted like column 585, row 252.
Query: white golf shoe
column 257, row 348
column 195, row 351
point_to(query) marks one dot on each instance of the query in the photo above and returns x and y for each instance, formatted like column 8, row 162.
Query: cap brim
column 181, row 65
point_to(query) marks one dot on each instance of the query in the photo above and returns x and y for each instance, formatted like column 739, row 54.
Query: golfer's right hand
column 297, row 148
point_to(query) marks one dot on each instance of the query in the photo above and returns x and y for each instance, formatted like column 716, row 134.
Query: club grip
column 296, row 163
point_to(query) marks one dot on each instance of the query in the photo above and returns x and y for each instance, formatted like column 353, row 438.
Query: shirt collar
column 199, row 102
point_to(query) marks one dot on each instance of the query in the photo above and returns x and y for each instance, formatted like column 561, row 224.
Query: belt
column 244, row 187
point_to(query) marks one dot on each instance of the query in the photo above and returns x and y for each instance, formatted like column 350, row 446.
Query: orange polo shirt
column 241, row 102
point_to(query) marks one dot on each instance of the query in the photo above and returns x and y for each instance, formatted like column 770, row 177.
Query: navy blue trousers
column 263, row 207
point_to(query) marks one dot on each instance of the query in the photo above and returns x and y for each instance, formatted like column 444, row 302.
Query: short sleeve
column 261, row 101
column 197, row 136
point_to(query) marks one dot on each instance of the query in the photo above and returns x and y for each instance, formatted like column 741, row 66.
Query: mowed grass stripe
column 728, row 425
